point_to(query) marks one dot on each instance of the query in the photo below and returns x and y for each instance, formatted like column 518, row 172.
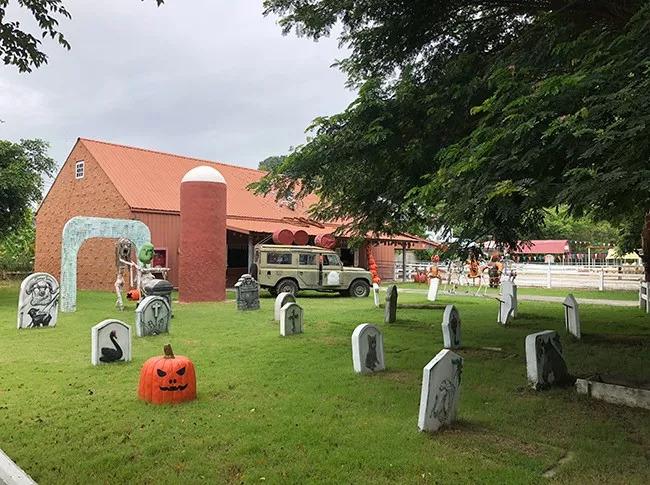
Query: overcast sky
column 212, row 79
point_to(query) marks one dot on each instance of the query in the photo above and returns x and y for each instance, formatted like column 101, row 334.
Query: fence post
column 548, row 276
column 601, row 281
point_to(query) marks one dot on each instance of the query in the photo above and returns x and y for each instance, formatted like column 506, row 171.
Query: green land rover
column 293, row 268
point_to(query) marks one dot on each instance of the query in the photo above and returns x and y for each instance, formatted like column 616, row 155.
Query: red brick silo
column 203, row 253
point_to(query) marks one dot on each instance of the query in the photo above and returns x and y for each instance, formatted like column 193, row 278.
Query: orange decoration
column 372, row 266
column 167, row 379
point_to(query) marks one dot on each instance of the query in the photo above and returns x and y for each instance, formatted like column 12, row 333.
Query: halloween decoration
column 123, row 249
column 167, row 379
column 110, row 342
column 38, row 301
column 372, row 266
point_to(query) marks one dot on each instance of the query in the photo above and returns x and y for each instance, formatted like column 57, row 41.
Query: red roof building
column 125, row 182
column 545, row 246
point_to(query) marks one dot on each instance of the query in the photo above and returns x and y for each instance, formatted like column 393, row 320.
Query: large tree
column 479, row 115
column 23, row 49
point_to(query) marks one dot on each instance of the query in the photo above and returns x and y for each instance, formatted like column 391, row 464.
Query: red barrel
column 300, row 237
column 283, row 236
column 326, row 241
column 203, row 258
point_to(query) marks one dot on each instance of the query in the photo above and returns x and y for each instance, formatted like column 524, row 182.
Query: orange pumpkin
column 167, row 379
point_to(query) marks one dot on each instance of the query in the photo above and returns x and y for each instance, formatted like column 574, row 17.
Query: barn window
column 79, row 170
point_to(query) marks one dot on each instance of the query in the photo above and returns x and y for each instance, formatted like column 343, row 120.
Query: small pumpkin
column 167, row 378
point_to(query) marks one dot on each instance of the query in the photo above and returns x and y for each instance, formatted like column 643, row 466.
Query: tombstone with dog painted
column 367, row 349
column 545, row 365
column 572, row 316
column 440, row 391
column 152, row 317
column 291, row 319
column 451, row 328
column 38, row 301
column 111, row 342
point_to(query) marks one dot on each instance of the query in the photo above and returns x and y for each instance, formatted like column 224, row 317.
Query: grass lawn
column 291, row 410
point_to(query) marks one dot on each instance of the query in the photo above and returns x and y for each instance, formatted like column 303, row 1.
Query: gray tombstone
column 375, row 294
column 509, row 288
column 367, row 349
column 451, row 328
column 38, row 301
column 390, row 310
column 545, row 365
column 440, row 391
column 505, row 310
column 291, row 319
column 572, row 316
column 248, row 293
column 281, row 300
column 152, row 317
column 111, row 342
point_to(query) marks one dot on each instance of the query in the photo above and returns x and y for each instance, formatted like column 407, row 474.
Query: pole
column 404, row 262
column 548, row 275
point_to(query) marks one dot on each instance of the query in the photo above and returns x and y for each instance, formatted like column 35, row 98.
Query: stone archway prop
column 76, row 231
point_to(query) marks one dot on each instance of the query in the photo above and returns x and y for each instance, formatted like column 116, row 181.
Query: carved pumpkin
column 167, row 379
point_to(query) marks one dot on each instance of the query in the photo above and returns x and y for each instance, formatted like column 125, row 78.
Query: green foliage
column 558, row 224
column 22, row 169
column 17, row 248
column 23, row 49
column 271, row 163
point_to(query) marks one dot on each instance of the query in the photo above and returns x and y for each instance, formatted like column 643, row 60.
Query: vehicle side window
column 278, row 258
column 307, row 260
column 331, row 260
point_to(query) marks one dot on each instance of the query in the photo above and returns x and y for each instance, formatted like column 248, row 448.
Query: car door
column 332, row 276
column 308, row 270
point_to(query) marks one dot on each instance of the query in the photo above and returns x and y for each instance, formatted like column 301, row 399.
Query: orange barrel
column 326, row 241
column 283, row 236
column 300, row 237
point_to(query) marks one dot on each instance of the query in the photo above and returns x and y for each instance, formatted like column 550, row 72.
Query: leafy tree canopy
column 22, row 168
column 23, row 49
column 269, row 163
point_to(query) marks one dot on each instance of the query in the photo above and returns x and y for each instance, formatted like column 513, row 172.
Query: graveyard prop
column 152, row 317
column 390, row 310
column 38, row 301
column 110, row 342
column 434, row 284
column 505, row 310
column 367, row 349
column 123, row 248
column 291, row 319
column 281, row 300
column 167, row 379
column 145, row 283
column 202, row 260
column 372, row 266
column 614, row 393
column 644, row 303
column 545, row 365
column 79, row 229
column 375, row 294
column 440, row 393
column 509, row 288
column 451, row 328
column 572, row 316
column 248, row 293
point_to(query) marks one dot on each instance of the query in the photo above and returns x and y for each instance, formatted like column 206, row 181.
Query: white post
column 548, row 276
column 588, row 256
column 601, row 282
column 404, row 262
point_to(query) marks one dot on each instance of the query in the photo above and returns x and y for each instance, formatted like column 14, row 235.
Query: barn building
column 103, row 179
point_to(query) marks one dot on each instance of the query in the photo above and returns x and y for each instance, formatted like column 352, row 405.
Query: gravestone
column 152, row 317
column 440, row 391
column 367, row 349
column 291, row 319
column 375, row 294
column 38, row 301
column 434, row 284
column 509, row 288
column 111, row 342
column 505, row 310
column 281, row 300
column 451, row 328
column 572, row 316
column 545, row 365
column 390, row 310
column 248, row 293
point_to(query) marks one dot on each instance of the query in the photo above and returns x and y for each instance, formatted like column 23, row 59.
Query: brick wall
column 93, row 195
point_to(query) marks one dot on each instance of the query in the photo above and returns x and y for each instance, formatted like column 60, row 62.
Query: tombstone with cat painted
column 291, row 319
column 281, row 300
column 451, row 328
column 111, row 342
column 572, row 316
column 38, row 301
column 367, row 349
column 440, row 391
column 152, row 317
column 545, row 365
column 390, row 310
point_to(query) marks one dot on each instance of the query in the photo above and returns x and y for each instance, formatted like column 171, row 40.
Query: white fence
column 644, row 303
column 557, row 275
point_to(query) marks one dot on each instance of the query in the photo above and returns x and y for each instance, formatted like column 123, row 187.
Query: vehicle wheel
column 359, row 289
column 287, row 286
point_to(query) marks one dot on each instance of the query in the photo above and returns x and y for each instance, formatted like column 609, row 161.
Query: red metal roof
column 545, row 246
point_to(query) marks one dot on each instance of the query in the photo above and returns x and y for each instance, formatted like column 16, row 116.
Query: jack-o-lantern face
column 167, row 379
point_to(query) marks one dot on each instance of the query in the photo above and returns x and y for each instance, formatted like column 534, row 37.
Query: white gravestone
column 572, row 316
column 38, row 301
column 451, row 328
column 111, row 342
column 509, row 288
column 434, row 284
column 367, row 349
column 291, row 319
column 545, row 365
column 375, row 294
column 281, row 300
column 505, row 310
column 440, row 391
column 152, row 317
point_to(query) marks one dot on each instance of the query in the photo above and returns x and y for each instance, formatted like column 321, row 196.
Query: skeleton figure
column 122, row 254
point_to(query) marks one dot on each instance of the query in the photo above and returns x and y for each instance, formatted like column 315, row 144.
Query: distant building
column 545, row 250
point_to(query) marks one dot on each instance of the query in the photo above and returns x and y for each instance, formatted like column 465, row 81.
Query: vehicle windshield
column 331, row 260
